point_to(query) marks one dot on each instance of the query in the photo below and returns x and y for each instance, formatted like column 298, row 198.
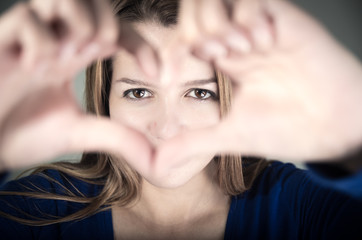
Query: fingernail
column 91, row 50
column 149, row 62
column 238, row 42
column 262, row 37
column 67, row 53
column 214, row 49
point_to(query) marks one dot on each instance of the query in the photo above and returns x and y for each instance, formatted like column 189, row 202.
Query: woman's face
column 156, row 108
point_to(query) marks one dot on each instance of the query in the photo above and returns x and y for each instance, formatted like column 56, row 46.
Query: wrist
column 344, row 166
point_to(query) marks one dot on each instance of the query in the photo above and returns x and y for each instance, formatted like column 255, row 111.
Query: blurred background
column 343, row 18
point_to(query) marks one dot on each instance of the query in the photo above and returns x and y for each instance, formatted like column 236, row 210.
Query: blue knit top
column 284, row 203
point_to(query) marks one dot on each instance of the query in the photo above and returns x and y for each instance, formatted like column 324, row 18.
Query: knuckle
column 21, row 7
column 240, row 19
column 108, row 34
column 22, row 11
column 85, row 33
column 88, row 30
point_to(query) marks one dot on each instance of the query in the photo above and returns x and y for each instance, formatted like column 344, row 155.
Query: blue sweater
column 284, row 203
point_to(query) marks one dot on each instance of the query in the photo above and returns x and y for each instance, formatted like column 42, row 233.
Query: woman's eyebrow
column 200, row 82
column 134, row 82
column 146, row 84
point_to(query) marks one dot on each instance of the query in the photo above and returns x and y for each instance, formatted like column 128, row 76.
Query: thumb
column 215, row 140
column 101, row 134
column 146, row 56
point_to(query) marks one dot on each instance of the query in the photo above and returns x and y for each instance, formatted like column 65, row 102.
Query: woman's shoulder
column 287, row 197
column 46, row 196
column 46, row 192
column 279, row 175
column 287, row 181
column 287, row 176
column 51, row 181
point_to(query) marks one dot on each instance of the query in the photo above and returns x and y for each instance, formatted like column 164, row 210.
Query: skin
column 172, row 205
column 297, row 91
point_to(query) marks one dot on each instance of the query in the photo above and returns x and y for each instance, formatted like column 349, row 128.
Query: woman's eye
column 137, row 94
column 201, row 94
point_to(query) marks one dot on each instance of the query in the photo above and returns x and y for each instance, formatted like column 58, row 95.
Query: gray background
column 343, row 18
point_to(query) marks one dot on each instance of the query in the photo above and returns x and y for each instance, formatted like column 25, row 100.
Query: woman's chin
column 178, row 177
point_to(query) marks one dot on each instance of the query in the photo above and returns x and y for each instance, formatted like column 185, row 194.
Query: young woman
column 122, row 195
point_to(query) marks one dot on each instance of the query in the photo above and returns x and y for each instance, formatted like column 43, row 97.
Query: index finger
column 145, row 54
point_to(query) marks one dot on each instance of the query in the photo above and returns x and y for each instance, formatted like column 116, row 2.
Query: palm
column 289, row 96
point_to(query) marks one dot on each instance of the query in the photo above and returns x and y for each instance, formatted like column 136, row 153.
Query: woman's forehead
column 156, row 34
column 187, row 67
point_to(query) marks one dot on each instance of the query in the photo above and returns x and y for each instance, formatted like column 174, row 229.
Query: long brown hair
column 121, row 185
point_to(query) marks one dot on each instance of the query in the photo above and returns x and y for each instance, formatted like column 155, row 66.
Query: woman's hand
column 297, row 92
column 42, row 46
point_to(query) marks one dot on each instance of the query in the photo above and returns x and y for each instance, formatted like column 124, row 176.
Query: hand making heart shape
column 296, row 90
column 43, row 45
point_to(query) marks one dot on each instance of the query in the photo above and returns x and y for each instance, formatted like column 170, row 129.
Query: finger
column 104, row 43
column 79, row 18
column 101, row 134
column 193, row 33
column 252, row 17
column 107, row 25
column 203, row 19
column 37, row 42
column 187, row 23
column 187, row 34
column 206, row 27
column 26, row 38
column 144, row 53
column 239, row 68
column 45, row 9
column 73, row 21
column 9, row 45
column 214, row 23
column 212, row 17
column 88, row 30
column 209, row 23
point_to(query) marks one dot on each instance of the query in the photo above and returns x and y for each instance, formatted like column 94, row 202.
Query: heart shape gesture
column 296, row 90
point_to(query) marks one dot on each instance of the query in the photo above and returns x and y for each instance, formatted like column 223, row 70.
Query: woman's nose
column 165, row 124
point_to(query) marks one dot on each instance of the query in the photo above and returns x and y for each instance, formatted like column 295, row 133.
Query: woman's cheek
column 130, row 115
column 202, row 114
